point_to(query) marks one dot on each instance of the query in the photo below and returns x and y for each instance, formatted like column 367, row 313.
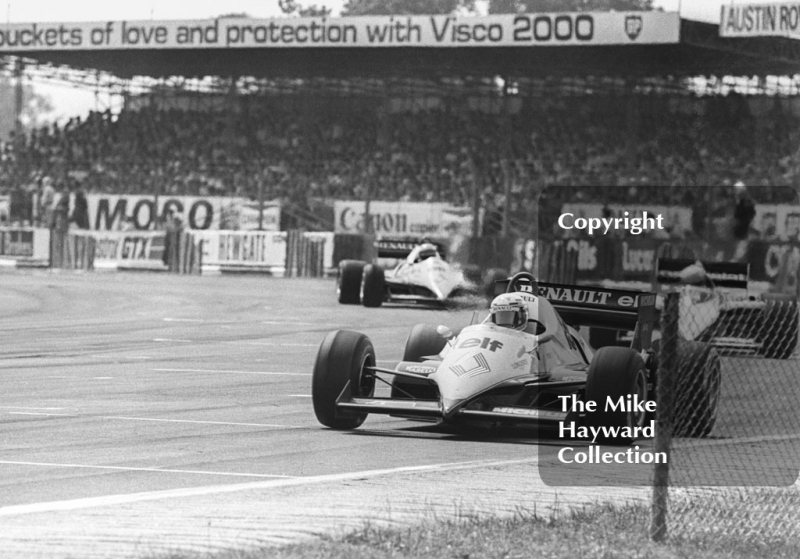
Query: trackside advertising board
column 402, row 219
column 508, row 30
column 24, row 243
column 112, row 212
column 779, row 19
column 142, row 250
column 254, row 250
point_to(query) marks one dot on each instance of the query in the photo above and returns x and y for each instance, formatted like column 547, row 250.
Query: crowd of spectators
column 303, row 148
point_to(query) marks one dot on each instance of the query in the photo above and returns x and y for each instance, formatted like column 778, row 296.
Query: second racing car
column 716, row 307
column 420, row 275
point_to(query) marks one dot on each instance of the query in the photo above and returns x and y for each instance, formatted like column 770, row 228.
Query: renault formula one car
column 421, row 275
column 716, row 308
column 490, row 375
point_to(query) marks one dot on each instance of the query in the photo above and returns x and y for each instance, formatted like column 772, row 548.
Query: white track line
column 27, row 408
column 42, row 413
column 288, row 323
column 111, row 500
column 131, row 469
column 156, row 419
column 272, row 425
column 270, row 344
column 172, row 340
column 231, row 372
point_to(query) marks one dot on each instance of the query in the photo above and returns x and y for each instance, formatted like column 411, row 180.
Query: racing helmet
column 510, row 311
column 423, row 252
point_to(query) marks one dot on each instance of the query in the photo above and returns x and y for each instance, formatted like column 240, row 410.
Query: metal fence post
column 665, row 400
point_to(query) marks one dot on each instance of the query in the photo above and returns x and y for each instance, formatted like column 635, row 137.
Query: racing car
column 492, row 374
column 716, row 308
column 421, row 275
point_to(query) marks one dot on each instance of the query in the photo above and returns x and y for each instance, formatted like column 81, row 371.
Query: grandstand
column 489, row 126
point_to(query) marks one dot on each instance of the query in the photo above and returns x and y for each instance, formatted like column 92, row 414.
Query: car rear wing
column 588, row 305
column 401, row 248
column 719, row 274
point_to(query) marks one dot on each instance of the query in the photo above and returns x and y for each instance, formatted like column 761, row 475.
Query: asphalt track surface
column 148, row 413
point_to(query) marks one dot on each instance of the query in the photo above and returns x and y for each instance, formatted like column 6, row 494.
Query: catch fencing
column 727, row 415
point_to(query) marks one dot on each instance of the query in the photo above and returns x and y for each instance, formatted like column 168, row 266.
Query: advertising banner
column 507, row 30
column 777, row 222
column 779, row 19
column 244, row 249
column 143, row 250
column 634, row 260
column 114, row 212
column 768, row 259
column 399, row 219
column 25, row 243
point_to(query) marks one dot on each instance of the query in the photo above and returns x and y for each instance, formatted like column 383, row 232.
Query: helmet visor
column 506, row 318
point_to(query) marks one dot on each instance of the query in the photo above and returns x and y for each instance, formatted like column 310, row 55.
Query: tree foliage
column 405, row 7
column 533, row 6
column 294, row 8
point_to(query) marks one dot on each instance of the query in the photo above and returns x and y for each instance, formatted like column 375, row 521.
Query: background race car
column 717, row 308
column 491, row 375
column 417, row 273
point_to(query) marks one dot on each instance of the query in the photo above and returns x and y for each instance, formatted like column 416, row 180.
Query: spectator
column 80, row 210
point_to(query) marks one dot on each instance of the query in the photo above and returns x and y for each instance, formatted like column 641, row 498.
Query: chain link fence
column 728, row 388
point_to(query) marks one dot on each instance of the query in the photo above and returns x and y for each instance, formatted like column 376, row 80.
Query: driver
column 510, row 311
column 422, row 252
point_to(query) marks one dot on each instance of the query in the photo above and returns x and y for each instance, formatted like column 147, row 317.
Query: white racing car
column 717, row 308
column 516, row 366
column 421, row 275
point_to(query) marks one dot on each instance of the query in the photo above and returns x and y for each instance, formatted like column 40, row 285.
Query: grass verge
column 601, row 532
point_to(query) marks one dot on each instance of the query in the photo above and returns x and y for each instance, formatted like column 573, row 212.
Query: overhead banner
column 412, row 219
column 112, row 212
column 507, row 30
column 779, row 19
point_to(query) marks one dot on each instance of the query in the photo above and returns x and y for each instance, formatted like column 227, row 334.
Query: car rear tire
column 372, row 286
column 614, row 373
column 423, row 341
column 348, row 282
column 341, row 365
column 699, row 382
column 779, row 328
